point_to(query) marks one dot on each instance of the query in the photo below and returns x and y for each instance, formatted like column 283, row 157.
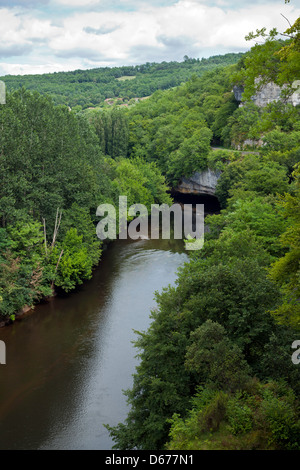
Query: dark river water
column 69, row 360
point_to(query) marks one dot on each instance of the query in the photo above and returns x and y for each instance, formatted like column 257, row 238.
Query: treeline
column 88, row 88
column 176, row 128
column 55, row 161
column 173, row 128
column 53, row 176
column 215, row 368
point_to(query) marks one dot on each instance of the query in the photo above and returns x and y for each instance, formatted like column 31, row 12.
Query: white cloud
column 107, row 36
column 78, row 3
column 127, row 30
column 23, row 69
column 18, row 28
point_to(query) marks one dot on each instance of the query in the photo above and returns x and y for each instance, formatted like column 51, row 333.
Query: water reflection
column 68, row 362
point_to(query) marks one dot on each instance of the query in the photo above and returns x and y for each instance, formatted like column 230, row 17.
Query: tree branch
column 286, row 19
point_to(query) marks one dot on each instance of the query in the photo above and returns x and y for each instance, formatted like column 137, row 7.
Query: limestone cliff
column 267, row 94
column 204, row 182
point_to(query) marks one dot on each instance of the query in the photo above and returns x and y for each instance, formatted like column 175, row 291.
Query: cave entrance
column 211, row 203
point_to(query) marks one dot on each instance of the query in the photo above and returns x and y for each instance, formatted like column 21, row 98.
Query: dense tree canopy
column 54, row 174
column 89, row 88
column 215, row 367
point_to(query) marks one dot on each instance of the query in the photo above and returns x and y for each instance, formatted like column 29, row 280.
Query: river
column 69, row 361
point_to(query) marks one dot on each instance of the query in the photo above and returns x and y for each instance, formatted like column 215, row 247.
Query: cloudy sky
column 39, row 36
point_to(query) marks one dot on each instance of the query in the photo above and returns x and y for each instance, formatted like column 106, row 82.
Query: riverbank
column 72, row 357
column 29, row 309
column 211, row 206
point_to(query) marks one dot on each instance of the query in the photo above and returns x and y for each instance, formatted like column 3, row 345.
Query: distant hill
column 89, row 88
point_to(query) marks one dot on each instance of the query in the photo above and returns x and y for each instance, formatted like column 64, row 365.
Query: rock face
column 267, row 94
column 271, row 92
column 200, row 183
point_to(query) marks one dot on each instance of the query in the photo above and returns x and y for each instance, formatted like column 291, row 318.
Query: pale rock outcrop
column 267, row 94
column 203, row 182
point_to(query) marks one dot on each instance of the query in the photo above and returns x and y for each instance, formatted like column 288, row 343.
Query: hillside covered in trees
column 53, row 177
column 215, row 368
column 89, row 88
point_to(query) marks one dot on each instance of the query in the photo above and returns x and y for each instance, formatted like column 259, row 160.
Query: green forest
column 89, row 88
column 53, row 177
column 215, row 368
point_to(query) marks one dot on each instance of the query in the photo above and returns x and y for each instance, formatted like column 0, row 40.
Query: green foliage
column 49, row 159
column 279, row 414
column 240, row 125
column 218, row 159
column 79, row 218
column 140, row 181
column 154, row 181
column 89, row 88
column 285, row 270
column 262, row 65
column 255, row 213
column 52, row 162
column 264, row 417
column 22, row 276
column 191, row 155
column 239, row 415
column 252, row 173
column 111, row 127
column 26, row 239
column 214, row 358
column 14, row 293
column 276, row 60
column 205, row 417
column 216, row 361
column 223, row 284
column 175, row 128
column 130, row 181
column 75, row 264
column 283, row 147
